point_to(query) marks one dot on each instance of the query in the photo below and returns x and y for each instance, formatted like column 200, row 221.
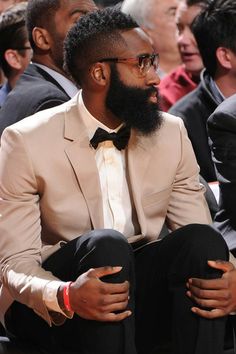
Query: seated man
column 15, row 49
column 84, row 188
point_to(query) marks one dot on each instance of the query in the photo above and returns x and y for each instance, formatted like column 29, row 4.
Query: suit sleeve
column 187, row 203
column 20, row 226
column 222, row 132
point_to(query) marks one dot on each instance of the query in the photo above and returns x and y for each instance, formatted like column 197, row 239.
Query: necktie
column 119, row 139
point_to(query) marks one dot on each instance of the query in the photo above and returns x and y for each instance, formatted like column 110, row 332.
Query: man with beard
column 44, row 84
column 86, row 188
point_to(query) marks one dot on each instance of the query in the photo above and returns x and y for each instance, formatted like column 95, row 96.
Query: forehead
column 136, row 43
column 187, row 14
column 162, row 7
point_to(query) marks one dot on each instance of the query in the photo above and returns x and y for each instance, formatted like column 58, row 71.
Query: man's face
column 131, row 98
column 69, row 12
column 187, row 44
column 162, row 25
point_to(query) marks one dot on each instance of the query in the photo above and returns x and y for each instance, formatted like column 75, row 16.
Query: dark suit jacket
column 35, row 90
column 194, row 109
column 222, row 133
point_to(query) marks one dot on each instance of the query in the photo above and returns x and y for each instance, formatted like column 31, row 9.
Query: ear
column 100, row 73
column 13, row 58
column 41, row 38
column 224, row 56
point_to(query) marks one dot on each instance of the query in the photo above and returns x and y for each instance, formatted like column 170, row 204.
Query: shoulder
column 44, row 122
column 224, row 115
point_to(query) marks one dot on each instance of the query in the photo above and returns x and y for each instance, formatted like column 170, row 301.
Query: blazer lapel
column 81, row 157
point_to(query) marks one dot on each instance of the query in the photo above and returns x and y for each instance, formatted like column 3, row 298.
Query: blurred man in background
column 15, row 49
column 157, row 19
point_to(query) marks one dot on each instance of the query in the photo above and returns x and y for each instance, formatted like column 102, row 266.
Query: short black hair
column 95, row 36
column 106, row 3
column 215, row 27
column 201, row 3
column 13, row 33
column 40, row 13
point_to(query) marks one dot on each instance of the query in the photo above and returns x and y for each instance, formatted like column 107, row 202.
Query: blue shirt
column 4, row 91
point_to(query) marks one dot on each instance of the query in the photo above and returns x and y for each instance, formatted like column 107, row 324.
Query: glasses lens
column 145, row 63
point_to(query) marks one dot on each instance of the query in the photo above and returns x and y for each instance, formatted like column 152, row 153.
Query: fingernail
column 117, row 268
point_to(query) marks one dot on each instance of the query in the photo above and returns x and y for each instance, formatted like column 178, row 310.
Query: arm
column 222, row 132
column 20, row 244
column 187, row 202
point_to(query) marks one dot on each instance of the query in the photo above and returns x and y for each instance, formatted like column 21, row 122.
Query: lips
column 153, row 97
column 188, row 56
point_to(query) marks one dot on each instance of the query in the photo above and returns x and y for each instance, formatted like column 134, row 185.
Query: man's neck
column 97, row 108
column 226, row 84
column 46, row 61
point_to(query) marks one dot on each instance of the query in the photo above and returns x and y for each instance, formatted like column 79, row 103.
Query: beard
column 131, row 104
column 57, row 50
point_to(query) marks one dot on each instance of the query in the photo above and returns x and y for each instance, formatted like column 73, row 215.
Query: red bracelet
column 66, row 298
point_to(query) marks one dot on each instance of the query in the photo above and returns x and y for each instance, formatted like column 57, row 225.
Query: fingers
column 102, row 271
column 211, row 284
column 221, row 265
column 113, row 317
column 214, row 313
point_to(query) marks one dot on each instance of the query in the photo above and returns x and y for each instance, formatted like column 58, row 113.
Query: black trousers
column 157, row 273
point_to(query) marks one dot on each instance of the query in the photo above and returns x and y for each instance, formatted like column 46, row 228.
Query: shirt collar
column 67, row 84
column 90, row 121
column 218, row 95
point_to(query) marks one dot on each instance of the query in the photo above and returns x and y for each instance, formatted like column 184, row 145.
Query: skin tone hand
column 93, row 299
column 218, row 295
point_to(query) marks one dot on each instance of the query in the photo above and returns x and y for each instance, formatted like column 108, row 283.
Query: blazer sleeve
column 187, row 202
column 20, row 226
column 222, row 132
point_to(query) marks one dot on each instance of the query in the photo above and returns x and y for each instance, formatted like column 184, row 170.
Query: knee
column 204, row 239
column 107, row 244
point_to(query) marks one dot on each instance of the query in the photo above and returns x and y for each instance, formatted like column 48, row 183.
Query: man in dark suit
column 220, row 295
column 215, row 32
column 44, row 84
column 222, row 133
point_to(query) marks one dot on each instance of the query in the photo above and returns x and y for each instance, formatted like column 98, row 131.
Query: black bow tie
column 119, row 139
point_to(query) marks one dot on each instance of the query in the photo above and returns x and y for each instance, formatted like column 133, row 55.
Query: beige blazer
column 50, row 192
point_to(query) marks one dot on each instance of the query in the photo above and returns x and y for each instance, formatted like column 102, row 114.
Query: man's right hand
column 93, row 299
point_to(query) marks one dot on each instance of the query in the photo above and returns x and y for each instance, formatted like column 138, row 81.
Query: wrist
column 66, row 296
column 63, row 297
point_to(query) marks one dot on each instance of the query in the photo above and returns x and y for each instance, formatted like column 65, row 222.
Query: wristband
column 66, row 298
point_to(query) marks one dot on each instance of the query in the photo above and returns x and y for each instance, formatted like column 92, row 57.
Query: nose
column 152, row 77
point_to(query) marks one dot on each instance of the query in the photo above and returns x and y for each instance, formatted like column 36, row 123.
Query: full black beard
column 132, row 106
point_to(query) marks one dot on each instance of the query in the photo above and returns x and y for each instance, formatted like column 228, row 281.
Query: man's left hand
column 217, row 295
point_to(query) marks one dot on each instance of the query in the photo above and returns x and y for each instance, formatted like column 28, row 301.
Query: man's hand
column 93, row 299
column 217, row 295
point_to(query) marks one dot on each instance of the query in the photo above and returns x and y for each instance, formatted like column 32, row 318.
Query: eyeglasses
column 144, row 62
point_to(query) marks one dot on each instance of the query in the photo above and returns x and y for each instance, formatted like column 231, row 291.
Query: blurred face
column 69, row 12
column 162, row 27
column 133, row 96
column 4, row 4
column 187, row 44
